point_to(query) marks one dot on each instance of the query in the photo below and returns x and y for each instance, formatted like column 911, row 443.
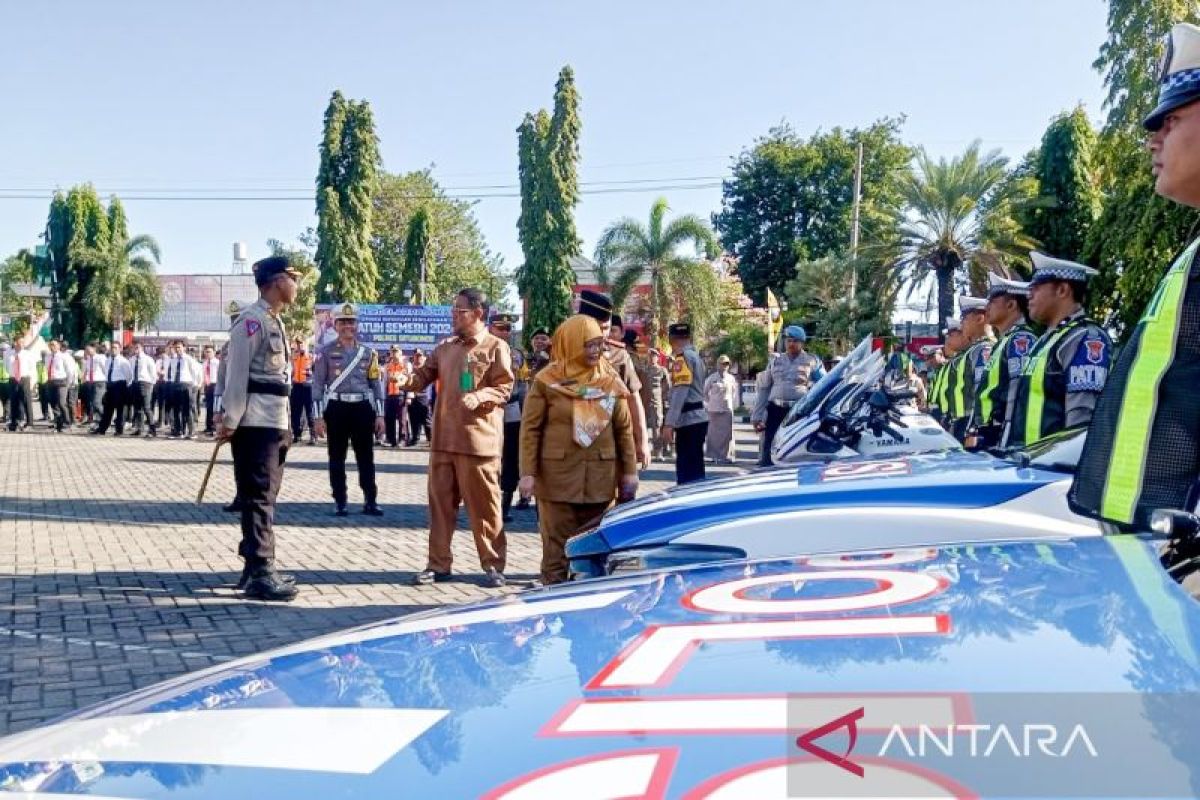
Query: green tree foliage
column 674, row 257
column 456, row 251
column 1138, row 233
column 347, row 181
column 745, row 343
column 298, row 318
column 954, row 210
column 124, row 287
column 819, row 297
column 20, row 267
column 1069, row 193
column 78, row 223
column 792, row 200
column 548, row 156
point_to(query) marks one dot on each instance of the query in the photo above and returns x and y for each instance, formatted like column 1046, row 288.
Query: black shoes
column 267, row 584
column 340, row 510
column 248, row 572
column 494, row 579
column 234, row 507
column 372, row 510
column 427, row 576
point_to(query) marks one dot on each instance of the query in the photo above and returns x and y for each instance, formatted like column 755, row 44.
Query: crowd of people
column 573, row 422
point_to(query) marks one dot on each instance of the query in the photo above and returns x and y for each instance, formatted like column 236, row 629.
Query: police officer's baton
column 212, row 462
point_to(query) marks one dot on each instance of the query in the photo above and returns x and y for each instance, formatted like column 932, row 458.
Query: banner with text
column 382, row 326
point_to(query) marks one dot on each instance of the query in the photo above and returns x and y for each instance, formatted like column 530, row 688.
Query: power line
column 20, row 194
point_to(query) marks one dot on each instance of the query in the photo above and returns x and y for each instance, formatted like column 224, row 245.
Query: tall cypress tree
column 1069, row 192
column 1138, row 233
column 548, row 157
column 347, row 180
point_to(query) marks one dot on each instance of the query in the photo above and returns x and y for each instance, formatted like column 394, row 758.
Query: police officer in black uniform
column 1143, row 447
column 254, row 419
column 348, row 405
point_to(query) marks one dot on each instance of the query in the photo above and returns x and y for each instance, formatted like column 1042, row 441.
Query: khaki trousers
column 455, row 478
column 557, row 523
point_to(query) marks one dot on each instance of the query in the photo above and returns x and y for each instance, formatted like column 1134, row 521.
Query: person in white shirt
column 58, row 378
column 720, row 401
column 95, row 381
column 118, row 377
column 141, row 387
column 22, row 373
column 182, row 372
column 210, row 366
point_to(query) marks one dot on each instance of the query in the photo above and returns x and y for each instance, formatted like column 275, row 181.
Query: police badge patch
column 1095, row 350
column 1022, row 343
column 1088, row 371
column 252, row 327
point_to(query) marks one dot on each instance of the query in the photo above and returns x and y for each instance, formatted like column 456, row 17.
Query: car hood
column 951, row 479
column 500, row 696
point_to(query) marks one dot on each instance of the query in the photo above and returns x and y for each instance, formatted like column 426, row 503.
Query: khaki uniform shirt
column 478, row 364
column 566, row 472
column 686, row 404
column 258, row 350
column 656, row 384
column 618, row 356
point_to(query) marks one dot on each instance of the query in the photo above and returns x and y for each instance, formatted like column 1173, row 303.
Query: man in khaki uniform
column 474, row 370
column 255, row 420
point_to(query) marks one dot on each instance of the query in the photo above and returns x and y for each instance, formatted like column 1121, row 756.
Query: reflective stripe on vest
column 992, row 377
column 1140, row 403
column 1035, row 369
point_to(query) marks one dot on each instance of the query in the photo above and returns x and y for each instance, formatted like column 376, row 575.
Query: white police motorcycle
column 851, row 412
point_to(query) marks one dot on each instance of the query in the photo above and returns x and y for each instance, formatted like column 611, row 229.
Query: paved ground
column 112, row 578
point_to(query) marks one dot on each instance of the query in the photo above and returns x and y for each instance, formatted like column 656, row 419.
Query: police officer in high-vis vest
column 348, row 408
column 254, row 418
column 968, row 367
column 687, row 421
column 1069, row 364
column 786, row 380
column 1143, row 448
column 1007, row 310
column 938, row 397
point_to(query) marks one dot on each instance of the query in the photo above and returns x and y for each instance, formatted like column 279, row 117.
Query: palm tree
column 953, row 211
column 124, row 286
column 680, row 283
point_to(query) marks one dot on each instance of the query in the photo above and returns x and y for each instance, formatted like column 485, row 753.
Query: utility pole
column 858, row 166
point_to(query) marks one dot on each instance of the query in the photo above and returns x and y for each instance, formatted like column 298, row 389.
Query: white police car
column 915, row 500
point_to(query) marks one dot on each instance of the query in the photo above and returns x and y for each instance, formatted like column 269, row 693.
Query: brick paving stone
column 112, row 578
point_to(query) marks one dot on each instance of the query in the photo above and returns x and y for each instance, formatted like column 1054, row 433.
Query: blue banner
column 382, row 326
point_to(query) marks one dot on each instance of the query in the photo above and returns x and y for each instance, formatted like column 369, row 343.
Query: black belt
column 696, row 406
column 262, row 387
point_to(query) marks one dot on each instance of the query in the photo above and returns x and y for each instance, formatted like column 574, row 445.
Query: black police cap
column 596, row 305
column 539, row 332
column 268, row 268
column 630, row 338
column 680, row 330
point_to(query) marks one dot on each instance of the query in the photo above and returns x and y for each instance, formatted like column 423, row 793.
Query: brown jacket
column 566, row 472
column 455, row 429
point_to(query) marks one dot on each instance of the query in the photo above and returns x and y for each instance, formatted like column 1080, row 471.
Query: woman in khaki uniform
column 576, row 440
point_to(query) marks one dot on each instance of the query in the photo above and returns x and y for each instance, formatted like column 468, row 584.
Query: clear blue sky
column 225, row 96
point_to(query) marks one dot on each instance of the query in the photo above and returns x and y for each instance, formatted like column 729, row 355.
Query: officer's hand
column 470, row 401
column 319, row 428
column 646, row 457
column 759, row 427
column 668, row 435
column 224, row 434
column 627, row 488
column 379, row 426
column 526, row 486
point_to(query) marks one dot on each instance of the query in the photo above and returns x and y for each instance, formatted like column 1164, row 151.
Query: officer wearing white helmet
column 348, row 398
column 788, row 378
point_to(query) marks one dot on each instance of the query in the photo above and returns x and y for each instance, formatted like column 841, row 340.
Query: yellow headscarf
column 593, row 389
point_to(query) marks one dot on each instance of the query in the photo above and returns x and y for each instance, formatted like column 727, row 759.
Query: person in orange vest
column 394, row 396
column 301, row 397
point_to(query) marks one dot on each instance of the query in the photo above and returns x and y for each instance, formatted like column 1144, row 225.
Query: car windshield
column 850, row 370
